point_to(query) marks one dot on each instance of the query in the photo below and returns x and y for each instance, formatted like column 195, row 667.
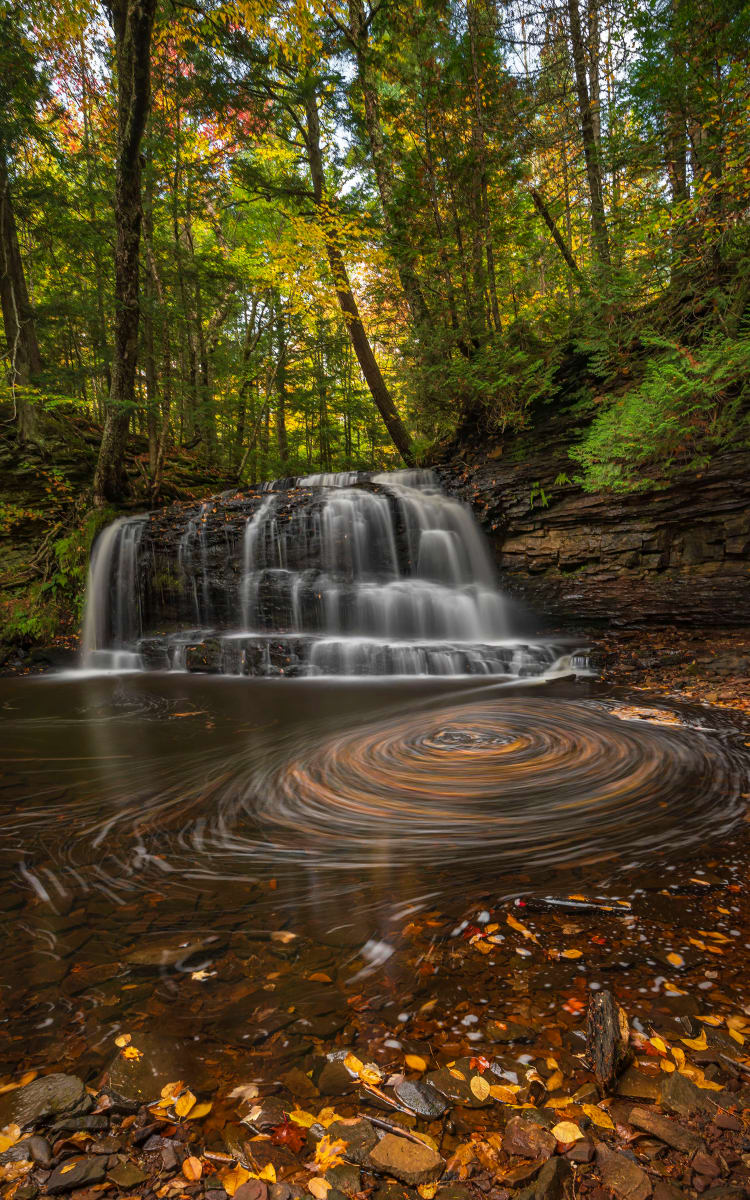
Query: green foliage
column 688, row 405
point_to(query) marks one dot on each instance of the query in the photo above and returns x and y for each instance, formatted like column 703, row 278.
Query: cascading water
column 326, row 575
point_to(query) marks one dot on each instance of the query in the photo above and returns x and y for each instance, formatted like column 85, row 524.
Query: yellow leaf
column 415, row 1062
column 659, row 1044
column 733, row 1033
column 370, row 1074
column 505, row 1094
column 572, row 954
column 132, row 1052
column 300, row 1117
column 9, row 1136
column 698, row 1043
column 555, row 1081
column 200, row 1110
column 123, row 1040
column 320, row 977
column 327, row 1116
column 712, row 1020
column 184, row 1104
column 318, row 1187
column 679, row 1056
column 268, row 1173
column 598, row 1116
column 427, row 1190
column 192, row 1169
column 666, row 1065
column 457, row 1074
column 353, row 1064
column 328, row 1154
column 674, row 989
column 519, row 928
column 676, row 960
column 566, row 1131
column 233, row 1179
column 479, row 1086
column 170, row 1090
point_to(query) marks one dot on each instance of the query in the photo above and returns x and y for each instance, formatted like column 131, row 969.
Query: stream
column 180, row 844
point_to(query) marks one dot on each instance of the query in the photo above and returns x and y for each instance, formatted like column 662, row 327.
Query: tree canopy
column 325, row 235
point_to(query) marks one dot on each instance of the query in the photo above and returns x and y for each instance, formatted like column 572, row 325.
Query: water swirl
column 542, row 779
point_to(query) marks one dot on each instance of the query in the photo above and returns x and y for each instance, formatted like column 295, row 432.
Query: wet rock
column 254, row 1189
column 345, row 1178
column 457, row 1089
column 664, row 1190
column 506, row 1032
column 679, row 1095
column 581, row 1151
column 637, row 1086
column 43, row 1098
column 552, row 1183
column 421, row 1098
column 26, row 1190
column 279, row 1191
column 727, row 1121
column 526, row 1139
column 161, row 1061
column 665, row 1130
column 336, row 1080
column 523, row 1173
column 126, row 1175
column 704, row 1164
column 82, row 1172
column 95, row 1123
column 359, row 1135
column 161, row 952
column 622, row 1176
column 454, row 1191
column 32, row 1149
column 410, row 1162
column 395, row 1191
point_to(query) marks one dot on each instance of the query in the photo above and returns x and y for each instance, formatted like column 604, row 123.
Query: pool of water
column 170, row 843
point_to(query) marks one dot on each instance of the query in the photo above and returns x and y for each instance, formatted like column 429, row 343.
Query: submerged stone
column 43, row 1098
column 411, row 1162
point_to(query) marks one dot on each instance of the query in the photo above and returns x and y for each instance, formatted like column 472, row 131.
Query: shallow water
column 158, row 826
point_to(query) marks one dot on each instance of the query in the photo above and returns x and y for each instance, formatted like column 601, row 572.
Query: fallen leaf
column 318, row 1187
column 200, row 1110
column 192, row 1169
column 598, row 1116
column 233, row 1179
column 328, row 1154
column 132, row 1052
column 566, row 1132
column 479, row 1087
column 123, row 1040
column 415, row 1062
column 184, row 1104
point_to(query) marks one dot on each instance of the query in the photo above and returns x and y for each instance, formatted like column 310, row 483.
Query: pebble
column 622, row 1176
column 74, row 1174
column 421, row 1098
column 411, row 1162
column 526, row 1139
column 43, row 1098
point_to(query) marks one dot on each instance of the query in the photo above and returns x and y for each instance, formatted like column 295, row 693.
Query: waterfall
column 111, row 618
column 337, row 574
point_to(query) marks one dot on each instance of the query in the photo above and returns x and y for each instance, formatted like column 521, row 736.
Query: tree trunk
column 18, row 316
column 557, row 237
column 356, row 330
column 132, row 21
column 588, row 133
column 281, row 438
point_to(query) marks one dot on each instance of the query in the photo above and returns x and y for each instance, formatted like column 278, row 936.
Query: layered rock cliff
column 675, row 555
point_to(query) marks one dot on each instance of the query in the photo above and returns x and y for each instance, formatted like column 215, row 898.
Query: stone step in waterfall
column 327, row 575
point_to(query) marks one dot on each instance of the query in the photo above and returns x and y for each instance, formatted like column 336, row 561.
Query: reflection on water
column 155, row 825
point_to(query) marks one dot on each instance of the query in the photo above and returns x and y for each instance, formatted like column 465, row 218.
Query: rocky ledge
column 679, row 554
